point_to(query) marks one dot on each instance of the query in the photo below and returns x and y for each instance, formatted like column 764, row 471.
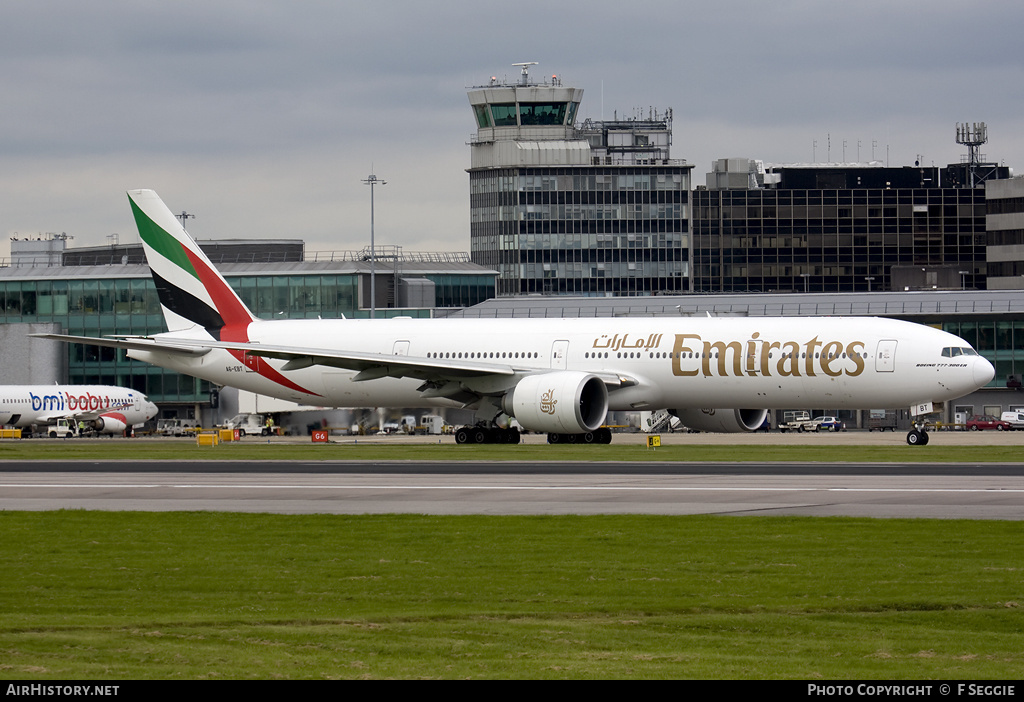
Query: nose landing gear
column 917, row 437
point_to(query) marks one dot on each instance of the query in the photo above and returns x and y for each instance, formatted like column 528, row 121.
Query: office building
column 837, row 229
column 1005, row 233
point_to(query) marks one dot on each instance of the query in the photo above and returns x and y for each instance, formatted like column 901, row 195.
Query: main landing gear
column 486, row 435
column 497, row 435
column 598, row 436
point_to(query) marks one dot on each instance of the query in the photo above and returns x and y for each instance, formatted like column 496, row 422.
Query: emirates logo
column 548, row 402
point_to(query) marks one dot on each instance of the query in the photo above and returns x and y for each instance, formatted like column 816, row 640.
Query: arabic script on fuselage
column 692, row 355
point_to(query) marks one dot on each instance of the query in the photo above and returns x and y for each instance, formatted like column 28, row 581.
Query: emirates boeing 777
column 557, row 376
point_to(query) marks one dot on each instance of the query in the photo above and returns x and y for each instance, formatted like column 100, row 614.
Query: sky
column 263, row 117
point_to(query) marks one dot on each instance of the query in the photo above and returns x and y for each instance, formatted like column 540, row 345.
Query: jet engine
column 109, row 424
column 562, row 402
column 727, row 421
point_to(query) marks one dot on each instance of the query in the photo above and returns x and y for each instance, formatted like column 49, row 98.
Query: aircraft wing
column 374, row 365
column 378, row 365
column 368, row 366
column 53, row 417
column 79, row 415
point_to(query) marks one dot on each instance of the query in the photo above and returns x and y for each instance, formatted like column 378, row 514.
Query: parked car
column 987, row 421
column 830, row 423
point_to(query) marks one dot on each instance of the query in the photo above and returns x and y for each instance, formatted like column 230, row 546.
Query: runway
column 957, row 491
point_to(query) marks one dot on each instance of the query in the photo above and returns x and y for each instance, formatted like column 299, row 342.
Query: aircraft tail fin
column 192, row 292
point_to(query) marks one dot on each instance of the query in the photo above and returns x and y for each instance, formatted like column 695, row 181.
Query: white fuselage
column 671, row 363
column 26, row 405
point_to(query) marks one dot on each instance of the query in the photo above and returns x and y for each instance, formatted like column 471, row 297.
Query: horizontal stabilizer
column 140, row 342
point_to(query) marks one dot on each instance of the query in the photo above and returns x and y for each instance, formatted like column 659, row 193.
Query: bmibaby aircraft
column 106, row 409
column 560, row 376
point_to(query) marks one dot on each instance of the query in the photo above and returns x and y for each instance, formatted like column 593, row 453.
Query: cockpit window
column 953, row 351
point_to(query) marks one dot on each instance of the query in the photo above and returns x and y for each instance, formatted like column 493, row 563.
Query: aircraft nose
column 984, row 372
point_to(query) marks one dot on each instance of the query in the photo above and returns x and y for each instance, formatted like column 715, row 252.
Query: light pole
column 869, row 279
column 372, row 180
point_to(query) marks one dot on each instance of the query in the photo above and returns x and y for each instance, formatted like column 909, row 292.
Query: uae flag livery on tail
column 190, row 288
column 193, row 294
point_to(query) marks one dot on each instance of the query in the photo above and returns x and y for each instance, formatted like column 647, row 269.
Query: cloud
column 262, row 117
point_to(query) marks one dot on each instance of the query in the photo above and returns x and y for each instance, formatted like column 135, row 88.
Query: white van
column 1015, row 418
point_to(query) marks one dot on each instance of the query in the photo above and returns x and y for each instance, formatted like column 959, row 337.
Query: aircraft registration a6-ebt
column 560, row 376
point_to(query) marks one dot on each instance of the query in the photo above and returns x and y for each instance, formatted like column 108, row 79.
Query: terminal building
column 108, row 290
column 595, row 210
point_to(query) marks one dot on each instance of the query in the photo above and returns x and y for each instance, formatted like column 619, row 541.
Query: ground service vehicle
column 249, row 424
column 794, row 421
column 1015, row 418
column 176, row 427
column 881, row 420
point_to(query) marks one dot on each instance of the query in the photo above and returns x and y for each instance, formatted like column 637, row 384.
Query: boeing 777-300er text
column 105, row 409
column 560, row 376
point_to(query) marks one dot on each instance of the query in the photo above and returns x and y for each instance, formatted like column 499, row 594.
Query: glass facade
column 833, row 240
column 129, row 306
column 513, row 114
column 581, row 230
column 1001, row 342
column 99, row 307
column 298, row 296
column 461, row 290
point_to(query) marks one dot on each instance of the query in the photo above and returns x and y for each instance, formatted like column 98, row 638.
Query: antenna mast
column 972, row 136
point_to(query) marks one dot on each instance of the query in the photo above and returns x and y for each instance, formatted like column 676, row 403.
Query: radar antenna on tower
column 524, row 78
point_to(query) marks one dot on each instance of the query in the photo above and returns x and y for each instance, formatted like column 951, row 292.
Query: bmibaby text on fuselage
column 104, row 408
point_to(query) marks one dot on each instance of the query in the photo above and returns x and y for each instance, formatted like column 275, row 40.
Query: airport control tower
column 526, row 123
column 557, row 208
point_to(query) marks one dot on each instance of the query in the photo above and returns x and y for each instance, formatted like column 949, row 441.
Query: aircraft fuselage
column 834, row 362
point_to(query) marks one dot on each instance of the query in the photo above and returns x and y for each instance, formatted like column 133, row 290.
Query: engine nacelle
column 110, row 424
column 562, row 402
column 729, row 421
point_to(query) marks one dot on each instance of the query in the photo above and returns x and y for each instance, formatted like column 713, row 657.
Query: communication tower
column 972, row 136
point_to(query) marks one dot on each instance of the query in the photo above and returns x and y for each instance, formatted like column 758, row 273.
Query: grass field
column 256, row 450
column 88, row 595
